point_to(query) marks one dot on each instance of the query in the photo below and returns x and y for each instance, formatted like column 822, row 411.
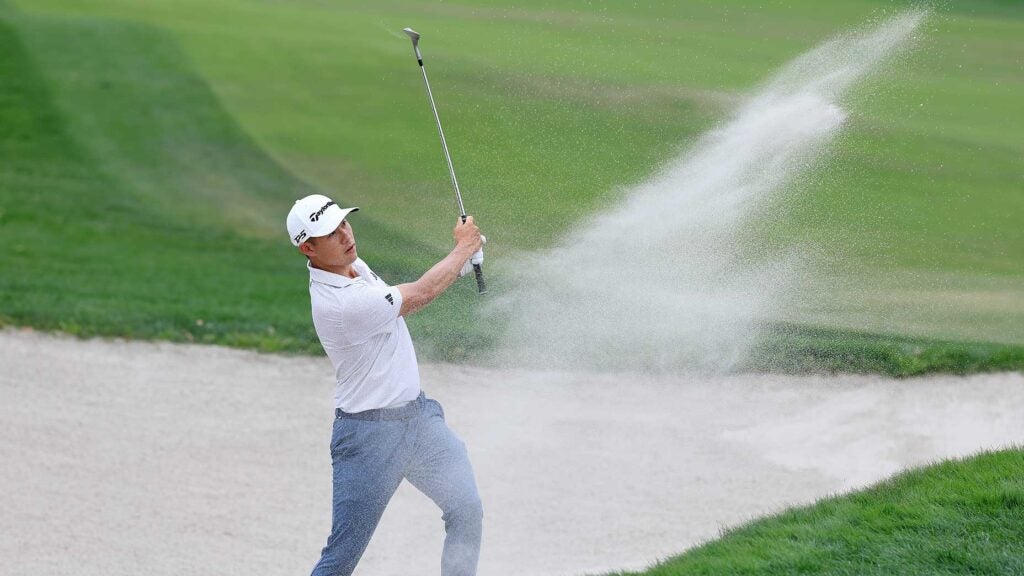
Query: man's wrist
column 461, row 249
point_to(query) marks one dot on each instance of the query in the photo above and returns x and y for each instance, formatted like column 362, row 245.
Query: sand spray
column 666, row 278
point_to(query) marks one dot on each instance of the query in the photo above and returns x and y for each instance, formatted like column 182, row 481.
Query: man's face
column 335, row 249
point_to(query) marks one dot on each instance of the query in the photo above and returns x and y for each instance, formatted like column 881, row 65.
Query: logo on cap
column 300, row 237
column 315, row 216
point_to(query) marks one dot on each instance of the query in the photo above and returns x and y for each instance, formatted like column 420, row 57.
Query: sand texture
column 140, row 458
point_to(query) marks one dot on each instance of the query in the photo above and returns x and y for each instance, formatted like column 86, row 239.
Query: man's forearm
column 418, row 294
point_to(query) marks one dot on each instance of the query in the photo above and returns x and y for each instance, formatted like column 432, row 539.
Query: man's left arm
column 416, row 295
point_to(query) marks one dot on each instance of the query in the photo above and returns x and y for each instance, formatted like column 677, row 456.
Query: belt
column 401, row 413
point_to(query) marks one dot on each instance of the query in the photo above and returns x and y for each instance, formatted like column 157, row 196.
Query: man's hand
column 467, row 236
column 477, row 258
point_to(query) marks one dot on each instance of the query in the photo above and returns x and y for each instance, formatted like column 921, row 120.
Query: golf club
column 478, row 257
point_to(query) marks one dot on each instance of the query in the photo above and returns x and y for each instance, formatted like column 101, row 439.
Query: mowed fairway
column 151, row 150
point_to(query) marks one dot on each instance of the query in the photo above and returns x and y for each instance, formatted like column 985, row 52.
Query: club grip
column 481, row 286
column 479, row 272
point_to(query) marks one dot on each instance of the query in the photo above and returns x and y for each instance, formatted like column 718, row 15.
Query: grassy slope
column 801, row 348
column 958, row 517
column 548, row 109
column 157, row 227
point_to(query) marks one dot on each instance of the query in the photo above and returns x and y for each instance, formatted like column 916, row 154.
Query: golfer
column 385, row 429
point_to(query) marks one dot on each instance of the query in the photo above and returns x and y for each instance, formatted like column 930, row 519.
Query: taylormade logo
column 300, row 237
column 316, row 215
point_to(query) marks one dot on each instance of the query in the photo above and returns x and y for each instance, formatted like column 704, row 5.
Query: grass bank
column 154, row 224
column 957, row 517
column 797, row 349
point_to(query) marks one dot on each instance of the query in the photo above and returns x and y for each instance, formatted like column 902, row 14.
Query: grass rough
column 962, row 516
column 798, row 349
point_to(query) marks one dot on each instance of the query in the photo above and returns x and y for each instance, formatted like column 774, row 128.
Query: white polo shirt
column 367, row 341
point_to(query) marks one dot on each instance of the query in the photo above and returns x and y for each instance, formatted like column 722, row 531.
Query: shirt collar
column 329, row 278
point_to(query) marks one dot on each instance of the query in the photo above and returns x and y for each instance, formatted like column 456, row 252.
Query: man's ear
column 307, row 248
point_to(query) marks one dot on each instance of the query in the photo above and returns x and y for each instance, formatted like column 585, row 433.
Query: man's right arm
column 416, row 295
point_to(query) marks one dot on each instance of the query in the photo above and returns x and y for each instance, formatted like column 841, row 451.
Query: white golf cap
column 313, row 216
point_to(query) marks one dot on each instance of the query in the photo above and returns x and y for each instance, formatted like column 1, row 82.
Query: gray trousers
column 371, row 453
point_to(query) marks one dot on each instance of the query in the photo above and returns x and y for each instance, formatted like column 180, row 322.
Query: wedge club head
column 415, row 37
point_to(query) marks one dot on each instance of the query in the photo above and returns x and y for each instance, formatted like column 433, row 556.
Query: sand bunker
column 128, row 458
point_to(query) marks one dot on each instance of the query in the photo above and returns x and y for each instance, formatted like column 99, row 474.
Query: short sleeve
column 365, row 311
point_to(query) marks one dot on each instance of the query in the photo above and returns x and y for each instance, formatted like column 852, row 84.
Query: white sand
column 137, row 458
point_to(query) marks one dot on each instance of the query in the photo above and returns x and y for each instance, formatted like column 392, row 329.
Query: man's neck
column 347, row 271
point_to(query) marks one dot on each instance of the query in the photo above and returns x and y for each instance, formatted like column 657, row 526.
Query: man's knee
column 475, row 509
column 467, row 510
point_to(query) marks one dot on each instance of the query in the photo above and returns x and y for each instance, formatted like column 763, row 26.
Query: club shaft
column 477, row 269
column 444, row 143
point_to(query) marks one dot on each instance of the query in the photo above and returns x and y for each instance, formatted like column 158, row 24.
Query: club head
column 414, row 35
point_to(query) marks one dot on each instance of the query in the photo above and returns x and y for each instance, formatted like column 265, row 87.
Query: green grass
column 102, row 240
column 151, row 149
column 957, row 517
column 799, row 349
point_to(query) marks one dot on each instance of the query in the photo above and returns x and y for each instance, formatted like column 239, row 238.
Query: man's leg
column 368, row 458
column 440, row 469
